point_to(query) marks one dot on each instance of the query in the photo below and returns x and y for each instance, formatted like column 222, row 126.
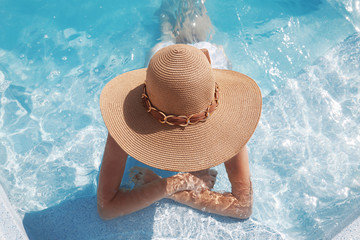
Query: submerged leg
column 185, row 21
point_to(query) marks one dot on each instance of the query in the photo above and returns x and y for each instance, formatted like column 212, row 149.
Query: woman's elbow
column 104, row 211
column 247, row 213
column 243, row 212
column 244, row 206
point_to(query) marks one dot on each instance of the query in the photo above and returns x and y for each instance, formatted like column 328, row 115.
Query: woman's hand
column 141, row 176
column 208, row 176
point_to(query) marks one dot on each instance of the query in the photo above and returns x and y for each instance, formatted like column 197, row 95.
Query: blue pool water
column 56, row 56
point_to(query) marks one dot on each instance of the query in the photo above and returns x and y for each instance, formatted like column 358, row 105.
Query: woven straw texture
column 180, row 81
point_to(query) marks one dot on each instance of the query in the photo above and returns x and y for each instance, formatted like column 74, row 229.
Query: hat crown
column 180, row 80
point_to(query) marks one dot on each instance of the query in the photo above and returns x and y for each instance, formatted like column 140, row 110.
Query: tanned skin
column 192, row 189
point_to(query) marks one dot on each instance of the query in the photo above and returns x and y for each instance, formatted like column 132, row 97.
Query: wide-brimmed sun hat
column 179, row 114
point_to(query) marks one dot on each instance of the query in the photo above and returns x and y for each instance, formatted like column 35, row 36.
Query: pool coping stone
column 11, row 226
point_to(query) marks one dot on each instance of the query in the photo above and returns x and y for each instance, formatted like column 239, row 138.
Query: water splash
column 350, row 9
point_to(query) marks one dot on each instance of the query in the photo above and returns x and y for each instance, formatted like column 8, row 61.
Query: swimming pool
column 55, row 58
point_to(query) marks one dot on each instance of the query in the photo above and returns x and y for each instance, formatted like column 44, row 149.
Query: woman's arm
column 237, row 204
column 114, row 202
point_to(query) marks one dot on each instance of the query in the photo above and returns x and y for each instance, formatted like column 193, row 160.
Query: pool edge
column 11, row 226
column 351, row 231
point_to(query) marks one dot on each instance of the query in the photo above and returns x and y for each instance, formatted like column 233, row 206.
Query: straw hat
column 189, row 116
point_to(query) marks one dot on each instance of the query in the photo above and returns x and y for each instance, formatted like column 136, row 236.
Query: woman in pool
column 179, row 114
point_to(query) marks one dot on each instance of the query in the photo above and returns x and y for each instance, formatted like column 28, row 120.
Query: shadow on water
column 78, row 219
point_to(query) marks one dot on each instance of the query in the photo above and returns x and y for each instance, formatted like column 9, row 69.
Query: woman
column 213, row 115
column 181, row 115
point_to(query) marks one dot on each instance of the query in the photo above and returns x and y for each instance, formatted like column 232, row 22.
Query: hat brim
column 174, row 148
